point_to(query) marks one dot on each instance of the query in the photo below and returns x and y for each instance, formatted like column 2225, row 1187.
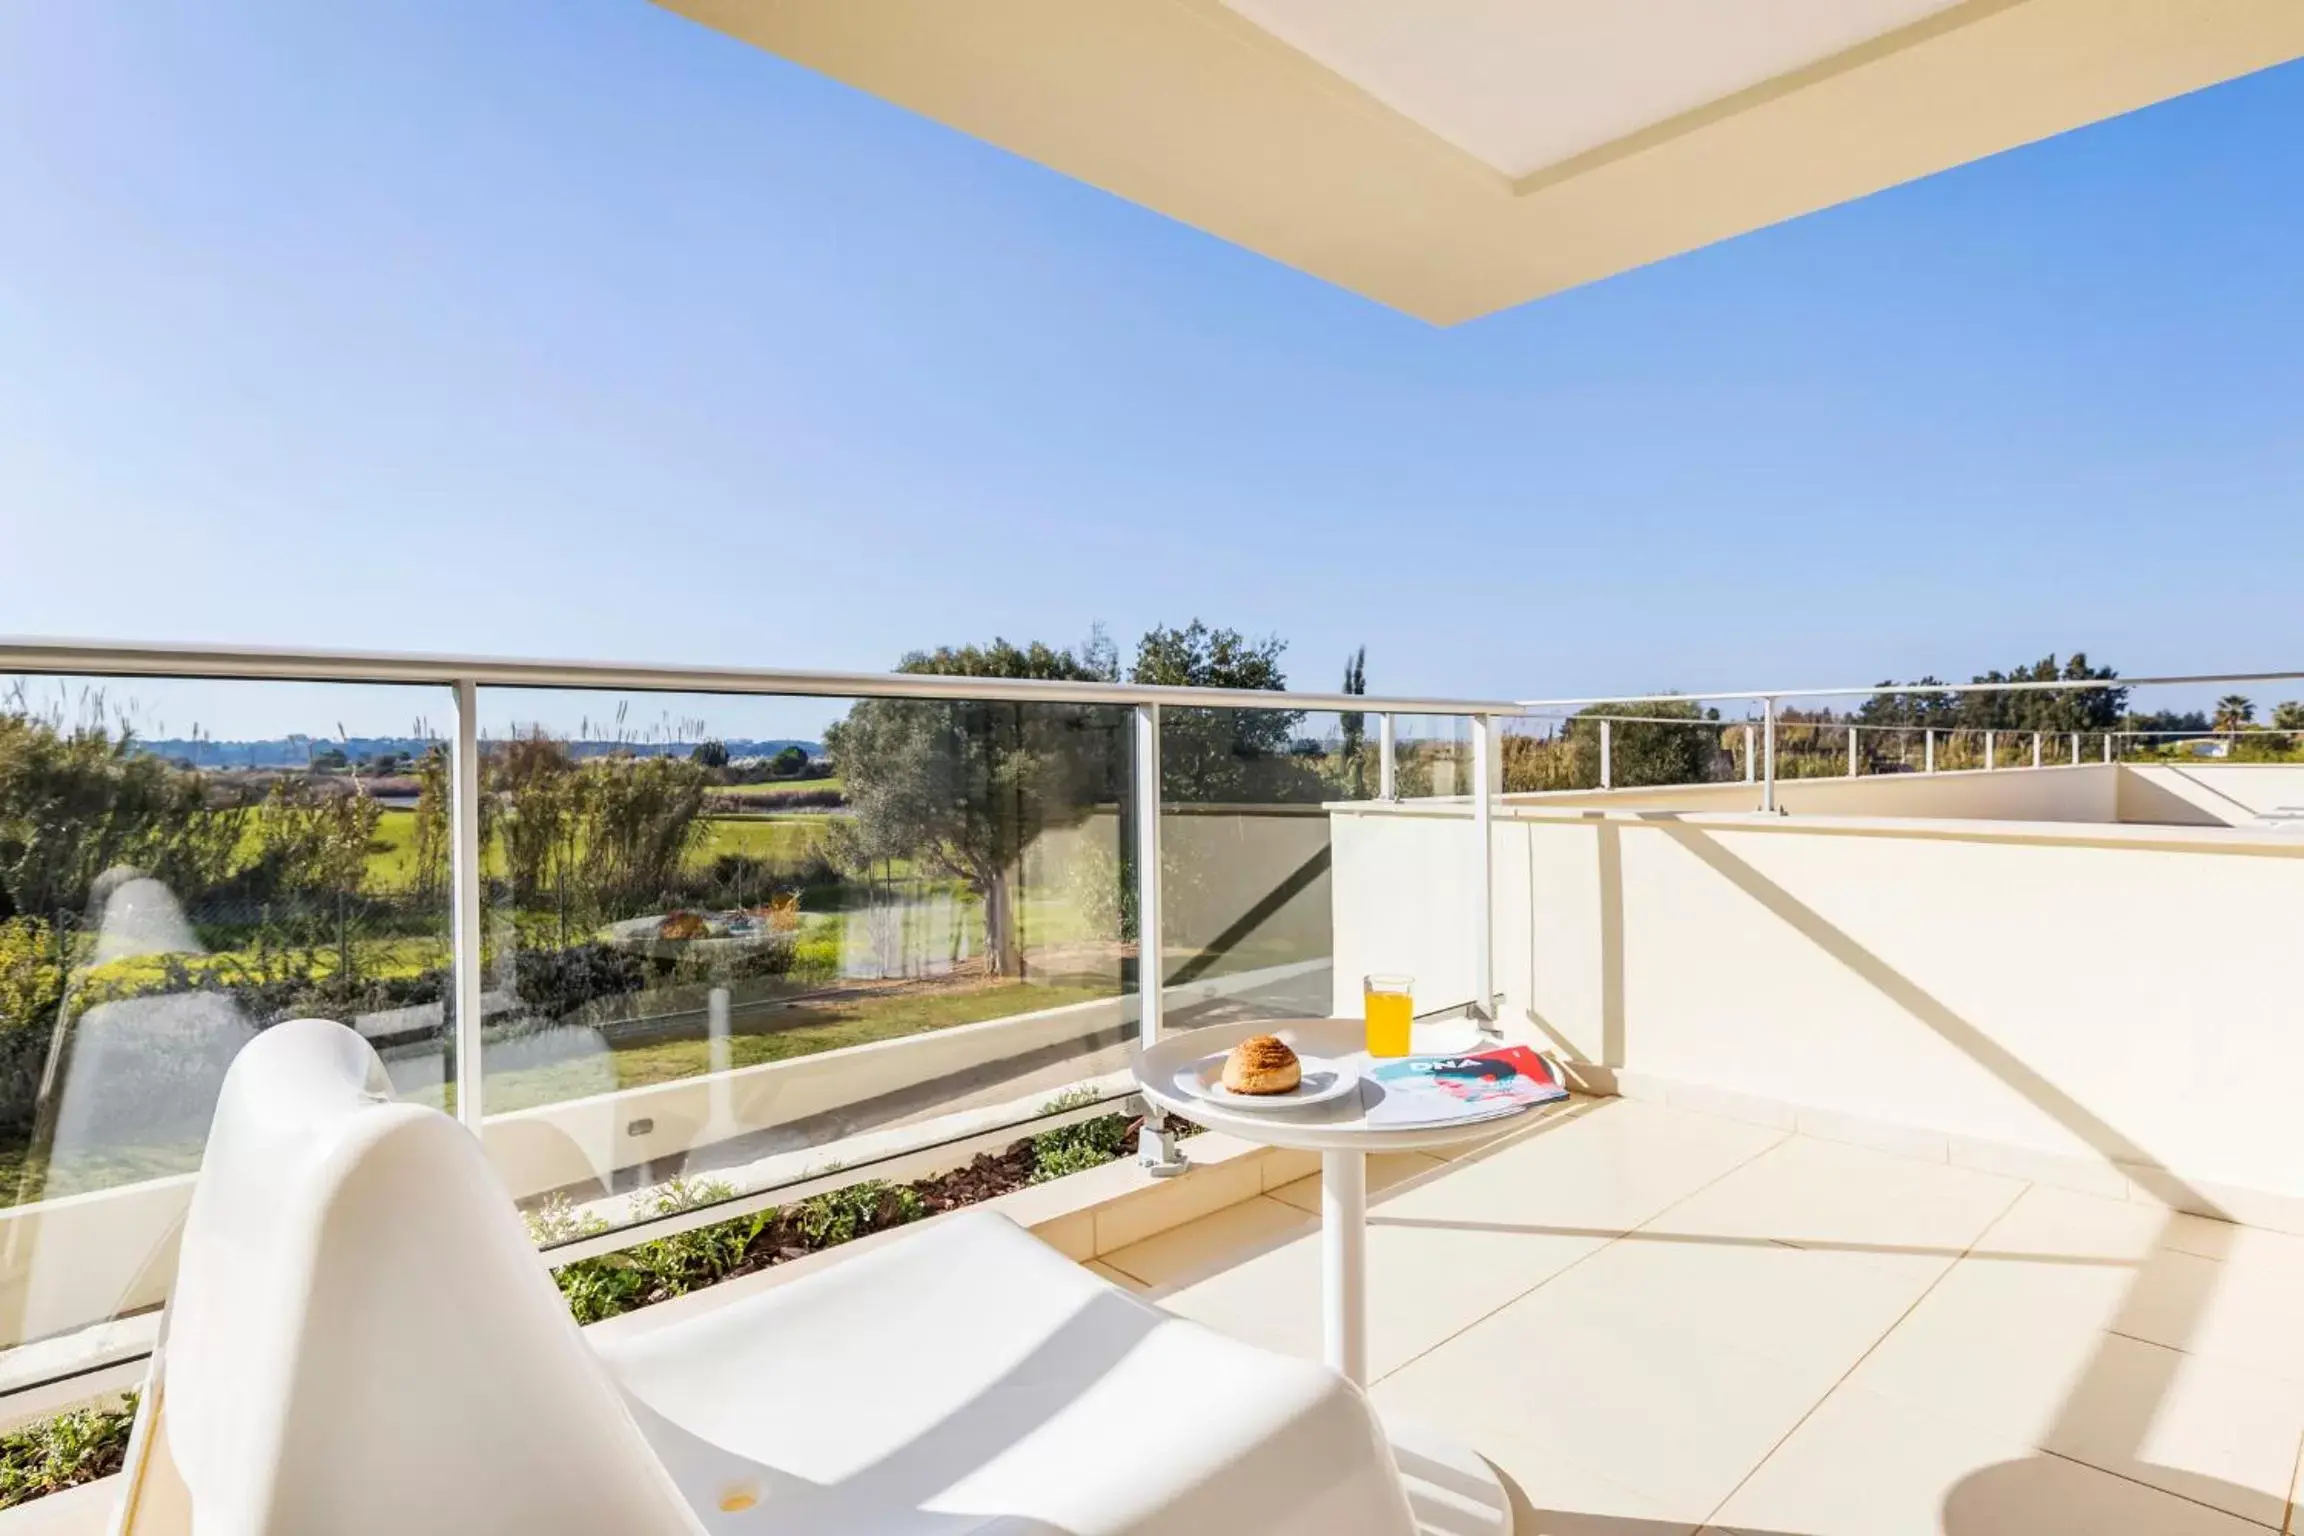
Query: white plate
column 1323, row 1078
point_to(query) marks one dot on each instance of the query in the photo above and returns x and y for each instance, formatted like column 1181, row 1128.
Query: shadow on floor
column 2032, row 1497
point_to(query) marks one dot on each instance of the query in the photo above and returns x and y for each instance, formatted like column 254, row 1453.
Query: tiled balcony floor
column 1654, row 1321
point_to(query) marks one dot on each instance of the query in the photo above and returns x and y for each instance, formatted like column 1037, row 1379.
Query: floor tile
column 2019, row 1349
column 2047, row 1224
column 1425, row 1285
column 1637, row 1407
column 1602, row 1172
column 1999, row 1346
column 2212, row 1239
column 1881, row 1208
column 2247, row 1308
column 2214, row 1432
column 1815, row 1311
column 1211, row 1242
column 1385, row 1169
column 1865, row 1466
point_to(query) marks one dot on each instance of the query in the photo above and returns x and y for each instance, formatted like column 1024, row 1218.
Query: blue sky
column 589, row 332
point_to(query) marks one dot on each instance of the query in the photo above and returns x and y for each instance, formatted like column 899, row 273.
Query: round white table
column 1453, row 1492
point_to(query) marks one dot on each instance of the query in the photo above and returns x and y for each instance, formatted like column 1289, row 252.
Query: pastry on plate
column 1262, row 1064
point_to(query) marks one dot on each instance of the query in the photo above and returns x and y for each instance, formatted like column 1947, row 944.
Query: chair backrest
column 361, row 1340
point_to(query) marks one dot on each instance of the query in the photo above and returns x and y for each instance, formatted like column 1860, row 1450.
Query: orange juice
column 1391, row 1008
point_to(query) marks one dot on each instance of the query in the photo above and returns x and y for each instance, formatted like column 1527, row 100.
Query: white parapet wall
column 2059, row 792
column 2213, row 794
column 2094, row 1000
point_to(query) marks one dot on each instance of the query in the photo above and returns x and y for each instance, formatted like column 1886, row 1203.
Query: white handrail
column 2026, row 686
column 270, row 663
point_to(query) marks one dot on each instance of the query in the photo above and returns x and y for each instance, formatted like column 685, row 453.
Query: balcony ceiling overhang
column 1451, row 158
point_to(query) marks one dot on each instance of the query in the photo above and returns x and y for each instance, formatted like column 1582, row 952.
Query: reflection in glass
column 756, row 944
column 1247, row 928
column 162, row 899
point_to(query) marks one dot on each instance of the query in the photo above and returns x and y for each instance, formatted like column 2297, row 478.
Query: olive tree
column 963, row 786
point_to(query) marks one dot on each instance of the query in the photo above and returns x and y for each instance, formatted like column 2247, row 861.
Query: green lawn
column 786, row 836
column 789, row 839
column 781, row 789
column 392, row 856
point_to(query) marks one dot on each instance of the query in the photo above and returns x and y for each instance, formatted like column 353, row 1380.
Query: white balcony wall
column 1421, row 928
column 2099, row 1000
column 2056, row 793
column 2205, row 794
column 2211, row 794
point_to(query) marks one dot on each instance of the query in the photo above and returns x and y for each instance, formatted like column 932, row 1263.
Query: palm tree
column 2233, row 712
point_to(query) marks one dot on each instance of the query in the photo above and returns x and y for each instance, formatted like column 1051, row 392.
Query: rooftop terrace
column 1655, row 1320
column 1874, row 1213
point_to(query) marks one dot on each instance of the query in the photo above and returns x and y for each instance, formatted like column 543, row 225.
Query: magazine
column 1457, row 1090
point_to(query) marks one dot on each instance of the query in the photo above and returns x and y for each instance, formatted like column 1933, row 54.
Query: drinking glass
column 1391, row 1006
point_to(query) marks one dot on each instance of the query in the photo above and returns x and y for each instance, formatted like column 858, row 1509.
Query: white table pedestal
column 1450, row 1489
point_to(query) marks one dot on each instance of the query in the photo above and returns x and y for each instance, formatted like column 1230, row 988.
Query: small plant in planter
column 64, row 1452
column 661, row 1268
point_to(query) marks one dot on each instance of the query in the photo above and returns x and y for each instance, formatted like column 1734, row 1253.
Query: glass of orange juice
column 1391, row 1005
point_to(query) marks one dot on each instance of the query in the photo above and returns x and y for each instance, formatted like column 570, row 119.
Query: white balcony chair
column 363, row 1343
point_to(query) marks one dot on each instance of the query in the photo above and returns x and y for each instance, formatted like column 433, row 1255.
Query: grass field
column 781, row 789
column 786, row 836
column 392, row 856
column 789, row 839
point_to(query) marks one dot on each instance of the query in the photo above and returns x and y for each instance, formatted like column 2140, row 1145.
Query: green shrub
column 1077, row 1148
column 64, row 1452
column 701, row 1255
column 664, row 1267
column 828, row 1220
column 597, row 1289
column 31, row 987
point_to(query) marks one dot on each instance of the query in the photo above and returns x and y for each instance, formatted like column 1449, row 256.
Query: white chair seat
column 362, row 1342
column 967, row 1372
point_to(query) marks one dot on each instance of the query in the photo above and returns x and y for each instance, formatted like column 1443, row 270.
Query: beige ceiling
column 1455, row 157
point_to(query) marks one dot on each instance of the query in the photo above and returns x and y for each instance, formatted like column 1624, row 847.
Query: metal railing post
column 2075, row 749
column 1991, row 756
column 1768, row 752
column 1483, row 858
column 1928, row 751
column 1156, row 1141
column 1751, row 765
column 720, row 1059
column 2035, row 749
column 1387, row 774
column 1851, row 751
column 1607, row 754
column 2107, row 746
column 464, row 897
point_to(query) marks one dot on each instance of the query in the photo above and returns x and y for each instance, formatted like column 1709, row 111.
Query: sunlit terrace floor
column 1655, row 1321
